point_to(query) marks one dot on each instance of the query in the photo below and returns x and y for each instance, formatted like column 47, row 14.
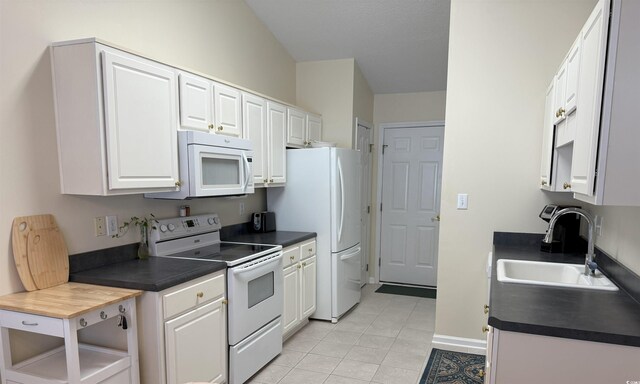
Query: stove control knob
column 163, row 228
column 172, row 227
column 216, row 220
column 211, row 221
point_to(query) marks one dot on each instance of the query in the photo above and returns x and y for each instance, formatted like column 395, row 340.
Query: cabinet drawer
column 32, row 323
column 290, row 255
column 192, row 296
column 307, row 249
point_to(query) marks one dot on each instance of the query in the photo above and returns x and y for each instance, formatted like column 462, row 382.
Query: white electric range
column 254, row 286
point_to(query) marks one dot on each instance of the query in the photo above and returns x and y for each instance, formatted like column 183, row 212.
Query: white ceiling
column 400, row 45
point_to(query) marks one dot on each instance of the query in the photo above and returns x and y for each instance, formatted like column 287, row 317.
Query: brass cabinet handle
column 304, row 264
column 566, row 186
column 200, row 294
column 561, row 111
column 558, row 113
column 271, row 180
column 486, row 309
column 265, row 180
column 299, row 266
column 220, row 128
column 543, row 182
column 485, row 329
column 292, row 257
column 178, row 183
column 211, row 126
column 225, row 301
column 310, row 250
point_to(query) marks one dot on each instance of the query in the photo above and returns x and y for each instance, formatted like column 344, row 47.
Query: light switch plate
column 463, row 201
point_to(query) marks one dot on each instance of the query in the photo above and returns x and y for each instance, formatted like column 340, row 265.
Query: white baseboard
column 459, row 344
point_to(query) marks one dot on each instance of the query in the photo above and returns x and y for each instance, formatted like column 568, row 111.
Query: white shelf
column 96, row 364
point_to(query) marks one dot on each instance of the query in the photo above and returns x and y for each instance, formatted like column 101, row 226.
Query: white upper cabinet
column 277, row 127
column 302, row 128
column 296, row 128
column 228, row 110
column 196, row 103
column 597, row 138
column 116, row 118
column 266, row 127
column 314, row 128
column 547, row 140
column 209, row 106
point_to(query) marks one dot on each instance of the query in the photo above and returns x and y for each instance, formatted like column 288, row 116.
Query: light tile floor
column 385, row 339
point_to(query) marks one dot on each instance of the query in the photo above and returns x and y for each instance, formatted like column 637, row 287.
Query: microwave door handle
column 247, row 172
column 340, row 226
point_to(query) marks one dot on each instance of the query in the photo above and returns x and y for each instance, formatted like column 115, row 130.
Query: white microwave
column 211, row 165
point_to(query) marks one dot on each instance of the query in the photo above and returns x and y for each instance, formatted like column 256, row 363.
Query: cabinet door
column 559, row 91
column 573, row 70
column 547, row 140
column 314, row 128
column 196, row 103
column 296, row 127
column 141, row 121
column 277, row 123
column 308, row 284
column 291, row 310
column 196, row 344
column 228, row 112
column 591, row 80
column 254, row 111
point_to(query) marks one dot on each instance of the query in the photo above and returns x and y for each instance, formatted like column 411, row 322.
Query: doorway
column 364, row 139
column 410, row 174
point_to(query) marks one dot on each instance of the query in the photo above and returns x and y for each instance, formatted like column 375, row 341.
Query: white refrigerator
column 322, row 195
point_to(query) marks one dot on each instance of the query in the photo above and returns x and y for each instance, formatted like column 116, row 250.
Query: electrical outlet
column 463, row 201
column 112, row 225
column 100, row 226
column 242, row 208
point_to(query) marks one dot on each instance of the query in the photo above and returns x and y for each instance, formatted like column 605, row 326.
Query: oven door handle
column 255, row 270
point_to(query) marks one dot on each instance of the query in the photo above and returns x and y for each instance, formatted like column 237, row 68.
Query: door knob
column 566, row 186
column 436, row 218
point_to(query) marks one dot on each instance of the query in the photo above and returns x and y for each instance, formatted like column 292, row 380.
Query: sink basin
column 552, row 274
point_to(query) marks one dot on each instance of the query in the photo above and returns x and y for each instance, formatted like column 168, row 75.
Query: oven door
column 255, row 295
column 218, row 171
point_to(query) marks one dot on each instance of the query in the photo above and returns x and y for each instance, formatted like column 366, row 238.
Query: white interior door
column 412, row 164
column 363, row 145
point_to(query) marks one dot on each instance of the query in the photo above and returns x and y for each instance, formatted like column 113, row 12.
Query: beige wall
column 619, row 237
column 326, row 87
column 363, row 98
column 222, row 38
column 501, row 57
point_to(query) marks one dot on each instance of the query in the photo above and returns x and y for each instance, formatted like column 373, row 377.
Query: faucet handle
column 592, row 266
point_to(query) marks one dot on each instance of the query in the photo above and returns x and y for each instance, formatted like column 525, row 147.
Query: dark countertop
column 152, row 274
column 284, row 238
column 601, row 316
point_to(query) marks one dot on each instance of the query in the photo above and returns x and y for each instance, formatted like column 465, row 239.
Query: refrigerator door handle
column 340, row 226
column 350, row 256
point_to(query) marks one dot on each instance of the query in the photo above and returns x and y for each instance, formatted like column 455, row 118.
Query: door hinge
column 379, row 261
column 383, row 147
column 380, row 207
column 370, row 147
column 368, row 209
column 367, row 268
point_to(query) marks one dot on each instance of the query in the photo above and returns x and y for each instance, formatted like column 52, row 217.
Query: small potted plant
column 145, row 225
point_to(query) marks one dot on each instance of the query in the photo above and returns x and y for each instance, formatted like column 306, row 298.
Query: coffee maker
column 566, row 232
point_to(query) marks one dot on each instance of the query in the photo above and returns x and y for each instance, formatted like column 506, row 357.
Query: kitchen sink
column 551, row 274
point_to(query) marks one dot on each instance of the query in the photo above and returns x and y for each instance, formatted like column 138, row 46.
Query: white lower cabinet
column 523, row 358
column 184, row 337
column 299, row 285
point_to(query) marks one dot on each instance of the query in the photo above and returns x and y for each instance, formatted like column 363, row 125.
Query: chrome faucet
column 589, row 264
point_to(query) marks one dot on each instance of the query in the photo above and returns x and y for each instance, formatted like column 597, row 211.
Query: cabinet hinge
column 384, row 146
column 370, row 147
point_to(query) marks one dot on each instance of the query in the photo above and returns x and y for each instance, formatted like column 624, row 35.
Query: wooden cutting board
column 48, row 257
column 19, row 235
